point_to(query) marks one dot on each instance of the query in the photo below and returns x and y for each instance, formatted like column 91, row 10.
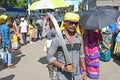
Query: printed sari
column 92, row 53
column 105, row 44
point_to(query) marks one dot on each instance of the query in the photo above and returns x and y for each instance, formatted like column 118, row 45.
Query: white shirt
column 23, row 26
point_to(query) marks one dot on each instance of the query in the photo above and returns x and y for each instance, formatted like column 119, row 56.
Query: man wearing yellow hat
column 6, row 42
column 74, row 46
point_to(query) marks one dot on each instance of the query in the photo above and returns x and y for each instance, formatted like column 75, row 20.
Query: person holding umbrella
column 95, row 19
column 92, row 53
column 74, row 46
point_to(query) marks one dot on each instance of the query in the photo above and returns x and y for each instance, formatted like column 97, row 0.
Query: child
column 15, row 42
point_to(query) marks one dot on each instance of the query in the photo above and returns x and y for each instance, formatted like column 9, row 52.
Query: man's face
column 71, row 26
column 10, row 23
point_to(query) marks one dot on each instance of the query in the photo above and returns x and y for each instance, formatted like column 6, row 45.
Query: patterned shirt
column 4, row 30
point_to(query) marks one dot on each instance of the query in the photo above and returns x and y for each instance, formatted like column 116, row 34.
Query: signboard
column 73, row 2
column 76, row 7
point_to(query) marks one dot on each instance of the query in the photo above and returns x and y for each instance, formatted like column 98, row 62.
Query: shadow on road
column 10, row 77
column 17, row 56
column 43, row 60
column 116, row 59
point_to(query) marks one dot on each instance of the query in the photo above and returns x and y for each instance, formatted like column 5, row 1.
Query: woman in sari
column 92, row 53
column 105, row 44
column 31, row 31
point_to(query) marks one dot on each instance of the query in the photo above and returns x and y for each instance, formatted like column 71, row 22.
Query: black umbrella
column 99, row 17
column 2, row 10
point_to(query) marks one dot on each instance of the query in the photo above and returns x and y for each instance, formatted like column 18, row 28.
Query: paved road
column 31, row 65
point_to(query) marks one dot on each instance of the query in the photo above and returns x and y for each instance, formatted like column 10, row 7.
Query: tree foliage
column 22, row 3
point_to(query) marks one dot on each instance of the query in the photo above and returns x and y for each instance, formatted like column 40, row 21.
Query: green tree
column 16, row 3
column 20, row 4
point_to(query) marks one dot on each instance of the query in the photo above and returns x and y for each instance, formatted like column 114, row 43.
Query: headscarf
column 3, row 19
column 71, row 17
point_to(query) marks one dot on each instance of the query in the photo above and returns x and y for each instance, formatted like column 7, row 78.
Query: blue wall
column 10, row 11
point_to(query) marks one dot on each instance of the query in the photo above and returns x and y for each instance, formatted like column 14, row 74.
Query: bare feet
column 4, row 66
column 11, row 67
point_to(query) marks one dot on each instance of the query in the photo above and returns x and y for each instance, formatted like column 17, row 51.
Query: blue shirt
column 112, row 27
column 118, row 37
column 40, row 22
column 5, row 32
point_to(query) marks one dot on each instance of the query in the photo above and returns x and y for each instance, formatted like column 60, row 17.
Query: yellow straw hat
column 71, row 17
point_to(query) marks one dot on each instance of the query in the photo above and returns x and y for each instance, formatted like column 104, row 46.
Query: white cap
column 22, row 19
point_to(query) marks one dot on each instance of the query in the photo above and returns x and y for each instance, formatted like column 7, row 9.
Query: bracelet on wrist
column 84, row 71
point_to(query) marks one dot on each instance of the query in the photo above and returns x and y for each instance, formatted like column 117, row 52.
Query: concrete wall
column 115, row 3
column 92, row 3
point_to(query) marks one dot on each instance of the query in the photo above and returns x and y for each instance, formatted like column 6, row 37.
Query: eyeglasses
column 71, row 23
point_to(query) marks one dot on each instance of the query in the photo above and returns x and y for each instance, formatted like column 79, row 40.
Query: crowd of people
column 95, row 45
column 19, row 31
column 86, row 47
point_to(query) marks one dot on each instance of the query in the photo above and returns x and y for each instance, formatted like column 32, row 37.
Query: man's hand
column 9, row 48
column 69, row 68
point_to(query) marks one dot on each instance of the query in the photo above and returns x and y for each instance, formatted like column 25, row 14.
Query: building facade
column 114, row 3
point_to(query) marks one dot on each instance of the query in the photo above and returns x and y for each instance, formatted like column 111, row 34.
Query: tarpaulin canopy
column 8, row 8
column 2, row 10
